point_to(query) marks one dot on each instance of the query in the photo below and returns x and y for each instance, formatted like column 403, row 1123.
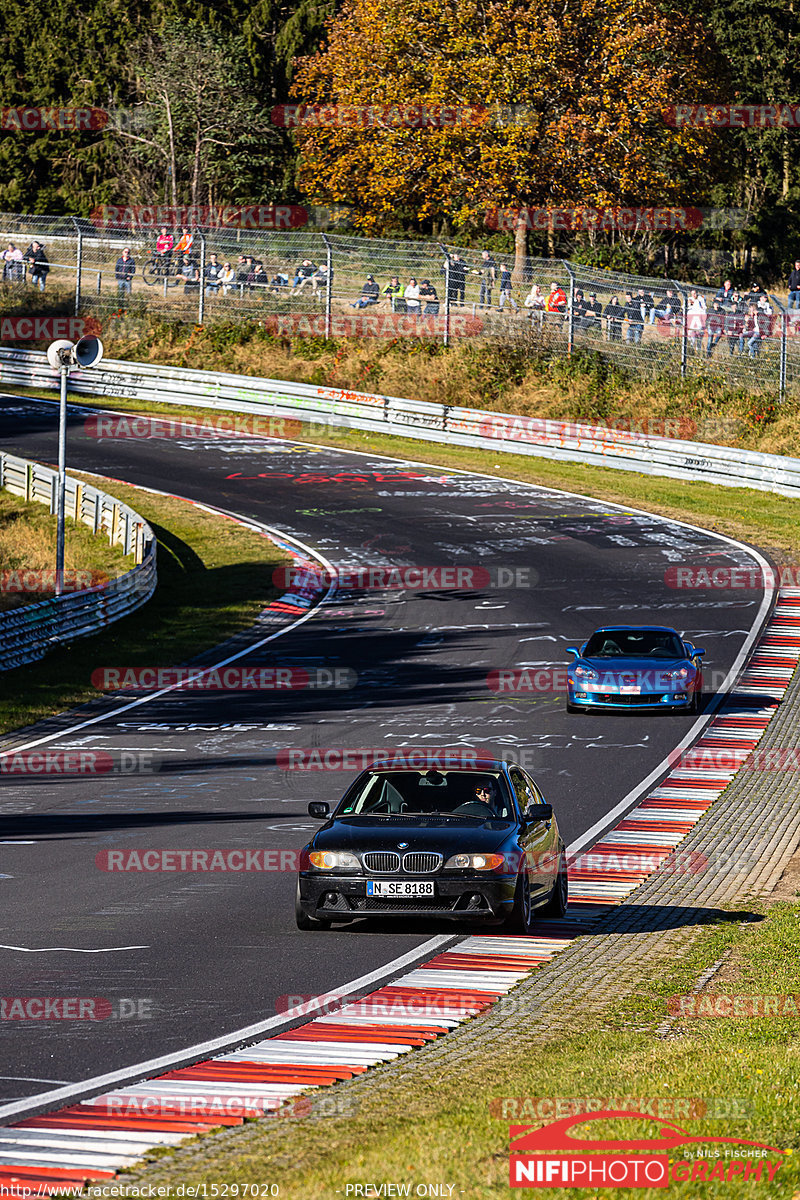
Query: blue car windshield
column 424, row 793
column 634, row 643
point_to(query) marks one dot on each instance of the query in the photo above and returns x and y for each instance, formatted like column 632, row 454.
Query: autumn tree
column 592, row 76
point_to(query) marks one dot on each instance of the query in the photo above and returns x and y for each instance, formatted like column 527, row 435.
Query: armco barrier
column 27, row 633
column 498, row 432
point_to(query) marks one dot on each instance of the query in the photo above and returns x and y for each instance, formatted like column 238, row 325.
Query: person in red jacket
column 556, row 302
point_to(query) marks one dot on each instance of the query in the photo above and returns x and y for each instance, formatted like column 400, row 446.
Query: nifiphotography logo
column 582, row 1162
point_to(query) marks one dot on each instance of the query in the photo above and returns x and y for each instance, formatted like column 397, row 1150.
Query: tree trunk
column 520, row 246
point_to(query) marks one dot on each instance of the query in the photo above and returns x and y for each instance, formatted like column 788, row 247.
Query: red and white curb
column 96, row 1138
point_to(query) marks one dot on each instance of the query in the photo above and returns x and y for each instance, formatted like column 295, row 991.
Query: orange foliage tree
column 593, row 78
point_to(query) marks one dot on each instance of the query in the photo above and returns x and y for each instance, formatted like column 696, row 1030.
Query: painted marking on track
column 69, row 949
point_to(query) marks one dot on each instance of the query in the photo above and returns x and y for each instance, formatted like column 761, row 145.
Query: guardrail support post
column 784, row 318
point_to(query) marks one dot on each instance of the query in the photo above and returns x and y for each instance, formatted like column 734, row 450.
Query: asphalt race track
column 197, row 955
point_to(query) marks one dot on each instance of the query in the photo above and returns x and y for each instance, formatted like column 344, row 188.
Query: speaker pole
column 62, row 476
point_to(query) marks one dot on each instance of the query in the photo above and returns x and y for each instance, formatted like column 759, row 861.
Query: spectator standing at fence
column 260, row 276
column 124, row 272
column 751, row 332
column 647, row 302
column 458, row 279
column 189, row 272
column 695, row 319
column 164, row 244
column 185, row 242
column 411, row 296
column 556, row 302
column 213, row 272
column 578, row 311
column 227, row 278
column 535, row 301
column 39, row 264
column 715, row 327
column 756, row 290
column 243, row 268
column 594, row 314
column 794, row 286
column 734, row 321
column 488, row 276
column 429, row 297
column 12, row 263
column 506, row 288
column 393, row 288
column 303, row 275
column 614, row 313
column 634, row 311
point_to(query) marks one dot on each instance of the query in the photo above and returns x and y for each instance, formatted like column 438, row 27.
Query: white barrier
column 562, row 440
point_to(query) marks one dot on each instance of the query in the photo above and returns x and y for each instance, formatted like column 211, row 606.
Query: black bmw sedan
column 477, row 842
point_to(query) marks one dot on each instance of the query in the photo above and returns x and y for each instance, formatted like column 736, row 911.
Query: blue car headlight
column 584, row 673
column 680, row 673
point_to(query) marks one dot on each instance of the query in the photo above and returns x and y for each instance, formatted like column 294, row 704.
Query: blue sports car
column 635, row 666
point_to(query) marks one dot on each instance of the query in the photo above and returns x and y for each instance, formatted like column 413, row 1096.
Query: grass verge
column 214, row 577
column 435, row 1125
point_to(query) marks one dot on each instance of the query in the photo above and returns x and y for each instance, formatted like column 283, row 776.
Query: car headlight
column 585, row 673
column 679, row 673
column 334, row 860
column 475, row 862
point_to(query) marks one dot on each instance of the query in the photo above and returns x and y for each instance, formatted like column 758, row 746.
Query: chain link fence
column 330, row 285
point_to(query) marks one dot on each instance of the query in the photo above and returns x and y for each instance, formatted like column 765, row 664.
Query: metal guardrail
column 27, row 633
column 562, row 440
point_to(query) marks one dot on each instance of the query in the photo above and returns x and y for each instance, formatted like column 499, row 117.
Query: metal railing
column 313, row 284
column 27, row 633
column 326, row 407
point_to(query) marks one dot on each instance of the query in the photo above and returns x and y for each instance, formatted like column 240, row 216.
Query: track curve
column 209, row 953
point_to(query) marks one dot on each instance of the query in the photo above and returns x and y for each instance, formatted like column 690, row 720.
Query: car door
column 536, row 837
column 549, row 863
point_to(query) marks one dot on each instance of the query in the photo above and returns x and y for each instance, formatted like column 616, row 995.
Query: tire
column 303, row 920
column 556, row 905
column 574, row 708
column 521, row 915
column 151, row 272
column 696, row 705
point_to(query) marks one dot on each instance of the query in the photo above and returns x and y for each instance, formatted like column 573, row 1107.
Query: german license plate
column 398, row 889
column 630, row 690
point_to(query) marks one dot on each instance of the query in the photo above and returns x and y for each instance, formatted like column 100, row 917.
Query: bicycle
column 160, row 268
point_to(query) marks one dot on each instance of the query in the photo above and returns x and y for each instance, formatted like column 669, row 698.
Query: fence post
column 328, row 283
column 784, row 319
column 79, row 267
column 201, row 308
column 446, row 253
column 684, row 327
column 571, row 326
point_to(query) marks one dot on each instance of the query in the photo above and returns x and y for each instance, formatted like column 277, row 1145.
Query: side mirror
column 538, row 812
column 574, row 651
column 319, row 809
column 698, row 653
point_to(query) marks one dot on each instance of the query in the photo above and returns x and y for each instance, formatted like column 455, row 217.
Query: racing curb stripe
column 80, row 1143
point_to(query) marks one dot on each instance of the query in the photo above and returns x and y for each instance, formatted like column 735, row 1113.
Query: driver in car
column 485, row 793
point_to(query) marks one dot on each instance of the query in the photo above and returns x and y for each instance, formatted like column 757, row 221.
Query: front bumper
column 645, row 700
column 456, row 897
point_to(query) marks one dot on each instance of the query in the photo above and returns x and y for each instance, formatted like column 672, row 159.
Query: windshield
column 427, row 793
column 634, row 643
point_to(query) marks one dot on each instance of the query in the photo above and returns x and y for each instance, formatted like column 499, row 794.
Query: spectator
column 505, row 288
column 12, row 263
column 164, row 244
column 594, row 314
column 647, row 302
column 725, row 292
column 39, row 264
column 695, row 319
column 279, row 281
column 556, row 302
column 319, row 281
column 794, row 286
column 715, row 326
column 668, row 309
column 734, row 322
column 535, row 301
column 613, row 313
column 260, row 276
column 458, row 279
column 411, row 296
column 578, row 311
column 488, row 275
column 213, row 272
column 244, row 269
column 634, row 311
column 189, row 272
column 304, row 273
column 765, row 316
column 427, row 294
column 124, row 272
column 393, row 288
column 370, row 294
column 227, row 278
column 751, row 332
column 185, row 242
